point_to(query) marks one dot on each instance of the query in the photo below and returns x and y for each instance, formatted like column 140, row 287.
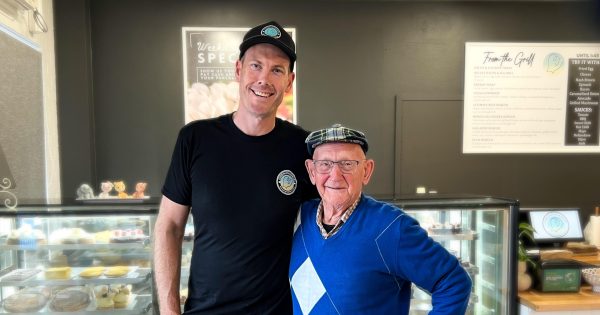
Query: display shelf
column 487, row 284
column 485, row 239
column 423, row 306
column 487, row 258
column 486, row 311
column 61, row 245
column 185, row 272
column 139, row 304
column 111, row 246
column 419, row 308
column 121, row 254
column 463, row 236
column 135, row 275
column 472, row 270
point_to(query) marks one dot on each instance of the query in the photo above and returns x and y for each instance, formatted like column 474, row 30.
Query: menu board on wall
column 211, row 88
column 531, row 98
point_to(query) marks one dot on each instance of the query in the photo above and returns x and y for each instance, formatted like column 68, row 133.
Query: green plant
column 525, row 231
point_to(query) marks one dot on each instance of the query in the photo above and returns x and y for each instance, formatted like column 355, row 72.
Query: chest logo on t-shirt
column 286, row 182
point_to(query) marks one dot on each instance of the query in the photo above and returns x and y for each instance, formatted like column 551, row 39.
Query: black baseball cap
column 270, row 33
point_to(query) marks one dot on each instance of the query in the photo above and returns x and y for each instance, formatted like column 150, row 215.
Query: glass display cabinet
column 481, row 233
column 82, row 259
column 186, row 259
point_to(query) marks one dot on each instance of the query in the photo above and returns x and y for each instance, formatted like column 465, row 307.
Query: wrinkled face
column 264, row 76
column 339, row 190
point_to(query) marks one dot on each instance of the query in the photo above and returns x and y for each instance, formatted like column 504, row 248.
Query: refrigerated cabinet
column 53, row 251
column 481, row 233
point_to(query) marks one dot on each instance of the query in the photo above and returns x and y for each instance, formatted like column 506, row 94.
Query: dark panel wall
column 74, row 95
column 355, row 60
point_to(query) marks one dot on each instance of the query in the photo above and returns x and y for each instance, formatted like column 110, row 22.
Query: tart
column 20, row 274
column 57, row 273
column 24, row 302
column 116, row 272
column 91, row 272
column 70, row 300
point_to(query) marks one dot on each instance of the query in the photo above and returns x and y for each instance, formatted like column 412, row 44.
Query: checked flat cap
column 336, row 133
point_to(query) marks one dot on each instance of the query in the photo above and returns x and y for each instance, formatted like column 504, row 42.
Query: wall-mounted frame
column 531, row 98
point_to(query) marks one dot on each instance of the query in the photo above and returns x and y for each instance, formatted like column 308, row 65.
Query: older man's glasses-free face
column 325, row 166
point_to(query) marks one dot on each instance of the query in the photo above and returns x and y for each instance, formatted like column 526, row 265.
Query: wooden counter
column 588, row 259
column 584, row 300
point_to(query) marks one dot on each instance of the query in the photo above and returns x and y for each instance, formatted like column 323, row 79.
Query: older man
column 353, row 254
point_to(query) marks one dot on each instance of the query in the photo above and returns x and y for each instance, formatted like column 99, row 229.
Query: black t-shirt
column 244, row 193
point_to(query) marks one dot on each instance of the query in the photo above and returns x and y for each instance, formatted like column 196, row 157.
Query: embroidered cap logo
column 271, row 31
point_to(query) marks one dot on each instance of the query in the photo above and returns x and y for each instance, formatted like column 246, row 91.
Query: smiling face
column 339, row 190
column 264, row 76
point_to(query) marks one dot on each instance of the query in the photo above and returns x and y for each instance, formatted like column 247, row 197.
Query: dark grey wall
column 393, row 69
column 74, row 95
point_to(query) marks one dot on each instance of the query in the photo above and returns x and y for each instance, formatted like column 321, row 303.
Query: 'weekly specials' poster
column 211, row 89
column 531, row 98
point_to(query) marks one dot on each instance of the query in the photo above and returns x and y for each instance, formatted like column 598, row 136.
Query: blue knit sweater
column 369, row 265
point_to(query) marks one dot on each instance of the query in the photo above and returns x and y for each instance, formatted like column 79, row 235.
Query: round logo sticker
column 554, row 63
column 286, row 182
column 556, row 224
column 271, row 31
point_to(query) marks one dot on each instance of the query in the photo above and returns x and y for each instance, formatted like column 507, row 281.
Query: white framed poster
column 531, row 98
column 210, row 86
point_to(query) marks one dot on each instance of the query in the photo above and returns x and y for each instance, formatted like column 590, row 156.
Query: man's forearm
column 167, row 268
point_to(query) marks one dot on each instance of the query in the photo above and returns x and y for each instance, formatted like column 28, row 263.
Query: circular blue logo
column 556, row 224
column 271, row 31
column 553, row 62
column 286, row 182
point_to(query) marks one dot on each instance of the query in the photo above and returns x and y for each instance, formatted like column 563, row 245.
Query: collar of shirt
column 338, row 225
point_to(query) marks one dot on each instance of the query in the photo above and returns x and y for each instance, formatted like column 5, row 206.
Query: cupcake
column 105, row 301
column 121, row 299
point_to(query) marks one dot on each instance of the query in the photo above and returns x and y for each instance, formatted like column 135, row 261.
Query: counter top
column 585, row 299
column 588, row 259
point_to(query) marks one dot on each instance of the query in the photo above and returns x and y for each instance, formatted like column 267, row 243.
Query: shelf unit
column 484, row 240
column 93, row 218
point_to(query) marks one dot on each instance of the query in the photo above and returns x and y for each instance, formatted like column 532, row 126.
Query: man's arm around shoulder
column 168, row 236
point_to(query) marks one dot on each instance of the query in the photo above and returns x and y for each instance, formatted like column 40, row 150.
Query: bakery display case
column 186, row 259
column 481, row 233
column 84, row 259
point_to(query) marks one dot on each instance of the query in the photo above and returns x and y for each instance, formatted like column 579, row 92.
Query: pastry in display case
column 81, row 259
column 481, row 233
